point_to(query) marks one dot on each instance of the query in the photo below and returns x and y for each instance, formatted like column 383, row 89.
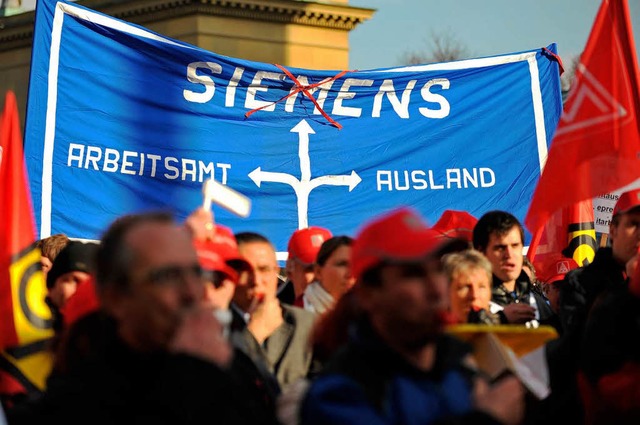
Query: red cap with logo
column 456, row 224
column 401, row 235
column 553, row 267
column 627, row 201
column 216, row 254
column 305, row 243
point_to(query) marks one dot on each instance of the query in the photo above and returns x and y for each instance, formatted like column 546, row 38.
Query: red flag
column 570, row 232
column 25, row 319
column 596, row 148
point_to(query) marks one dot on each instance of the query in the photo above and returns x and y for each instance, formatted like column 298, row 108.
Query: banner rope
column 299, row 87
column 556, row 57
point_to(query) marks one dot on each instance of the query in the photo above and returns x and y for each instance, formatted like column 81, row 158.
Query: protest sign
column 121, row 119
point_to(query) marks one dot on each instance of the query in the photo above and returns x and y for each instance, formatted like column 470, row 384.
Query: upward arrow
column 305, row 185
column 304, row 129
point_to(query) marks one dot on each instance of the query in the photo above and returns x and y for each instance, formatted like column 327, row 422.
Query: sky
column 483, row 27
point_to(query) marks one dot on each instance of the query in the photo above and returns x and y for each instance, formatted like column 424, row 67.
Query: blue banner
column 121, row 119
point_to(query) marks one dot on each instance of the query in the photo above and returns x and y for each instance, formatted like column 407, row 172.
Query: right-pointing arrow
column 355, row 180
column 351, row 180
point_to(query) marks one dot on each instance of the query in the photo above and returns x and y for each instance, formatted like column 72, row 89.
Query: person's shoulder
column 602, row 267
column 299, row 315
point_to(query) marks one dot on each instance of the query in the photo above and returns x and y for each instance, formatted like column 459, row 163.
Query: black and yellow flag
column 25, row 319
column 570, row 232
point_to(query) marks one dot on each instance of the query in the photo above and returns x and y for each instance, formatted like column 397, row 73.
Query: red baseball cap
column 401, row 235
column 304, row 244
column 456, row 224
column 627, row 201
column 553, row 267
column 220, row 253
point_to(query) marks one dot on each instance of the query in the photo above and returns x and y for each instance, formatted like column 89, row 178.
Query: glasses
column 169, row 275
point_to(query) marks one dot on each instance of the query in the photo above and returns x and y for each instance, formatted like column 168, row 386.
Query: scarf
column 316, row 299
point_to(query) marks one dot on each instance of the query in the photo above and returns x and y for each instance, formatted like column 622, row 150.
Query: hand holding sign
column 226, row 197
column 201, row 221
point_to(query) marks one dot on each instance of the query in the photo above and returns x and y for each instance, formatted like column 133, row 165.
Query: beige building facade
column 296, row 33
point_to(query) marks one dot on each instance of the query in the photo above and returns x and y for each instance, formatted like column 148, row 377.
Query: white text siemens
column 436, row 105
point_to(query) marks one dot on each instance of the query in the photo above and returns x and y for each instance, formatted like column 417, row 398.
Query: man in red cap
column 399, row 363
column 223, row 269
column 303, row 248
column 551, row 273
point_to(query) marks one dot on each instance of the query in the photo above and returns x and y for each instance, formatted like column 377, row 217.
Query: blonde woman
column 469, row 273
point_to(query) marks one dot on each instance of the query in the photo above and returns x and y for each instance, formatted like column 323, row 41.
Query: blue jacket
column 367, row 383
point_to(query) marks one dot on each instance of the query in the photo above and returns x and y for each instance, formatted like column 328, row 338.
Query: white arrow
column 304, row 129
column 305, row 185
column 258, row 176
column 351, row 180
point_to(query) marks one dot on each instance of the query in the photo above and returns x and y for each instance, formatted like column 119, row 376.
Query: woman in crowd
column 469, row 273
column 333, row 275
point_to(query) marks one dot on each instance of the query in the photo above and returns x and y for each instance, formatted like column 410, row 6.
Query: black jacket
column 524, row 289
column 100, row 380
column 582, row 287
column 579, row 292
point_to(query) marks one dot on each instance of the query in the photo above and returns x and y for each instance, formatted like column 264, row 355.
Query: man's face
column 165, row 281
column 65, row 286
column 469, row 288
column 505, row 254
column 262, row 284
column 411, row 303
column 552, row 291
column 625, row 236
column 300, row 274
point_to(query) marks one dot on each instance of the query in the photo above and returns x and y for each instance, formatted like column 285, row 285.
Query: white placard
column 603, row 210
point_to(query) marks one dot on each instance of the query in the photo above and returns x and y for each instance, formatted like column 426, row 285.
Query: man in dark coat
column 270, row 332
column 500, row 237
column 583, row 289
column 153, row 353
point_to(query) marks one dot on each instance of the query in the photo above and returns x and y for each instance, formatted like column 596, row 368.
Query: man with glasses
column 271, row 333
column 153, row 353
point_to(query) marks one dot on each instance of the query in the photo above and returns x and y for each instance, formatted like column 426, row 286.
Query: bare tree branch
column 443, row 47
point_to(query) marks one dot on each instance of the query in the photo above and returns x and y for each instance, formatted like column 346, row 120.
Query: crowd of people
column 167, row 322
